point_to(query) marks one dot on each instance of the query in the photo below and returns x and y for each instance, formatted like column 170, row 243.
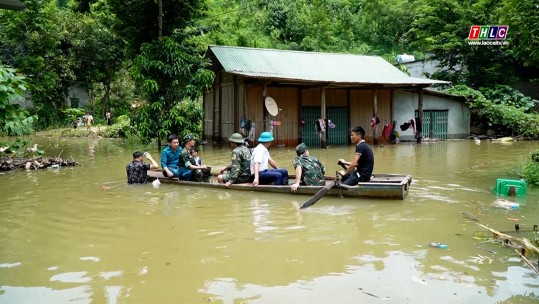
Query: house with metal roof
column 15, row 5
column 317, row 97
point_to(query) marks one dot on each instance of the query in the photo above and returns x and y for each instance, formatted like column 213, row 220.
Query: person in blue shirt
column 170, row 157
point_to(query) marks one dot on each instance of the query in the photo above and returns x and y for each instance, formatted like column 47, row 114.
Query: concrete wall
column 74, row 92
column 80, row 93
column 420, row 67
column 405, row 104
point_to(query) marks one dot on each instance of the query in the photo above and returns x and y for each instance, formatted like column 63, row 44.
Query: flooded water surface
column 82, row 235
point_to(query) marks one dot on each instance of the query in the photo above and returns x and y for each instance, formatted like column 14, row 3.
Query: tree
column 32, row 42
column 522, row 16
column 97, row 53
column 442, row 26
column 14, row 120
column 139, row 18
column 167, row 75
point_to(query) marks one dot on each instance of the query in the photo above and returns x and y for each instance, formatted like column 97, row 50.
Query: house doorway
column 335, row 136
column 434, row 123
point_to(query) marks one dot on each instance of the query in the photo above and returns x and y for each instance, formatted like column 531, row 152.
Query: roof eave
column 419, row 82
column 14, row 5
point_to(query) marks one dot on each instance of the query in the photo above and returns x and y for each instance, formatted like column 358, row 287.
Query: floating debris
column 8, row 163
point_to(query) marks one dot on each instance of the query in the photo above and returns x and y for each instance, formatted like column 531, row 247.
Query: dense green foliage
column 523, row 16
column 112, row 50
column 13, row 119
column 530, row 172
column 506, row 110
column 32, row 43
column 121, row 129
column 168, row 75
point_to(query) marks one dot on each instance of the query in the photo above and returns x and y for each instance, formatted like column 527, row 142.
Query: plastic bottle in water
column 438, row 245
column 505, row 204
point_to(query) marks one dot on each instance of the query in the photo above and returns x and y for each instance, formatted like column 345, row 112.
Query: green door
column 434, row 123
column 336, row 136
column 308, row 131
column 339, row 134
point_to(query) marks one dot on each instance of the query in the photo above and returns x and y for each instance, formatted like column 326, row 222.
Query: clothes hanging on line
column 320, row 125
column 331, row 125
column 394, row 134
column 386, row 131
column 410, row 123
column 252, row 132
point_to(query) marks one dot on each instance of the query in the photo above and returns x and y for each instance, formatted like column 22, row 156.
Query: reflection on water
column 81, row 235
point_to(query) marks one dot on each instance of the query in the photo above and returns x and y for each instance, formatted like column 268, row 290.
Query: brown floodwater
column 64, row 238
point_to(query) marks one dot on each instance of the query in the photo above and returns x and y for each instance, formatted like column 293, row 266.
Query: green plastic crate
column 503, row 186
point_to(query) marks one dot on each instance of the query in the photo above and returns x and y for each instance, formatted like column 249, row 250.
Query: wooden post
column 219, row 112
column 300, row 105
column 323, row 139
column 236, row 107
column 418, row 134
column 265, row 111
column 215, row 133
column 349, row 115
column 375, row 114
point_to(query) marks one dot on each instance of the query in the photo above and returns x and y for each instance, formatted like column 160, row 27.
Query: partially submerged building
column 317, row 97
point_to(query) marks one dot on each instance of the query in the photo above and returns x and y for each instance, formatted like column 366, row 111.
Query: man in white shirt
column 259, row 164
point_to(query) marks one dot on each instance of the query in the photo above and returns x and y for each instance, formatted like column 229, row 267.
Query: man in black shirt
column 362, row 164
column 137, row 169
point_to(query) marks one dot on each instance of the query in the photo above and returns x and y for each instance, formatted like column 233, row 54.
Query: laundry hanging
column 410, row 123
column 386, row 131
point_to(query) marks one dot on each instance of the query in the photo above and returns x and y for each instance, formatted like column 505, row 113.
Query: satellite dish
column 271, row 106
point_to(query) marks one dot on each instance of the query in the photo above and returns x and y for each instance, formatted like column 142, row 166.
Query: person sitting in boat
column 309, row 170
column 239, row 171
column 170, row 157
column 259, row 164
column 200, row 173
column 362, row 164
column 137, row 170
column 198, row 160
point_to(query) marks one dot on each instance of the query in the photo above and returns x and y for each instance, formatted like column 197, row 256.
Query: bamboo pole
column 524, row 242
column 530, row 264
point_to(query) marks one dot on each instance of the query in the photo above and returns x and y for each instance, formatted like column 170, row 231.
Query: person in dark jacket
column 137, row 170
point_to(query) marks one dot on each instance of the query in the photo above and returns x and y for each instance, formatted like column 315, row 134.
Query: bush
column 121, row 129
column 530, row 172
column 501, row 111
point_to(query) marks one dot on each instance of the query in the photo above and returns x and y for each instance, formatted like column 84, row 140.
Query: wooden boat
column 381, row 186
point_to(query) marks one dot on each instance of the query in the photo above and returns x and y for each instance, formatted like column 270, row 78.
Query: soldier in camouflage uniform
column 309, row 170
column 239, row 171
column 187, row 160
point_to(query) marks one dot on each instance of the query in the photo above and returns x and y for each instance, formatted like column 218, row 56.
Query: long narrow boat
column 392, row 186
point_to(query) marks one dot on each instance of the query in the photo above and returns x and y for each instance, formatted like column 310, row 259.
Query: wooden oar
column 318, row 195
column 322, row 191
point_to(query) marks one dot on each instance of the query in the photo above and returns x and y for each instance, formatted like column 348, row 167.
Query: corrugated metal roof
column 12, row 5
column 333, row 68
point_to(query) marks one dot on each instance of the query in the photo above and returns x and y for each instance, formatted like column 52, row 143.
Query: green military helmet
column 236, row 138
column 188, row 137
column 301, row 148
